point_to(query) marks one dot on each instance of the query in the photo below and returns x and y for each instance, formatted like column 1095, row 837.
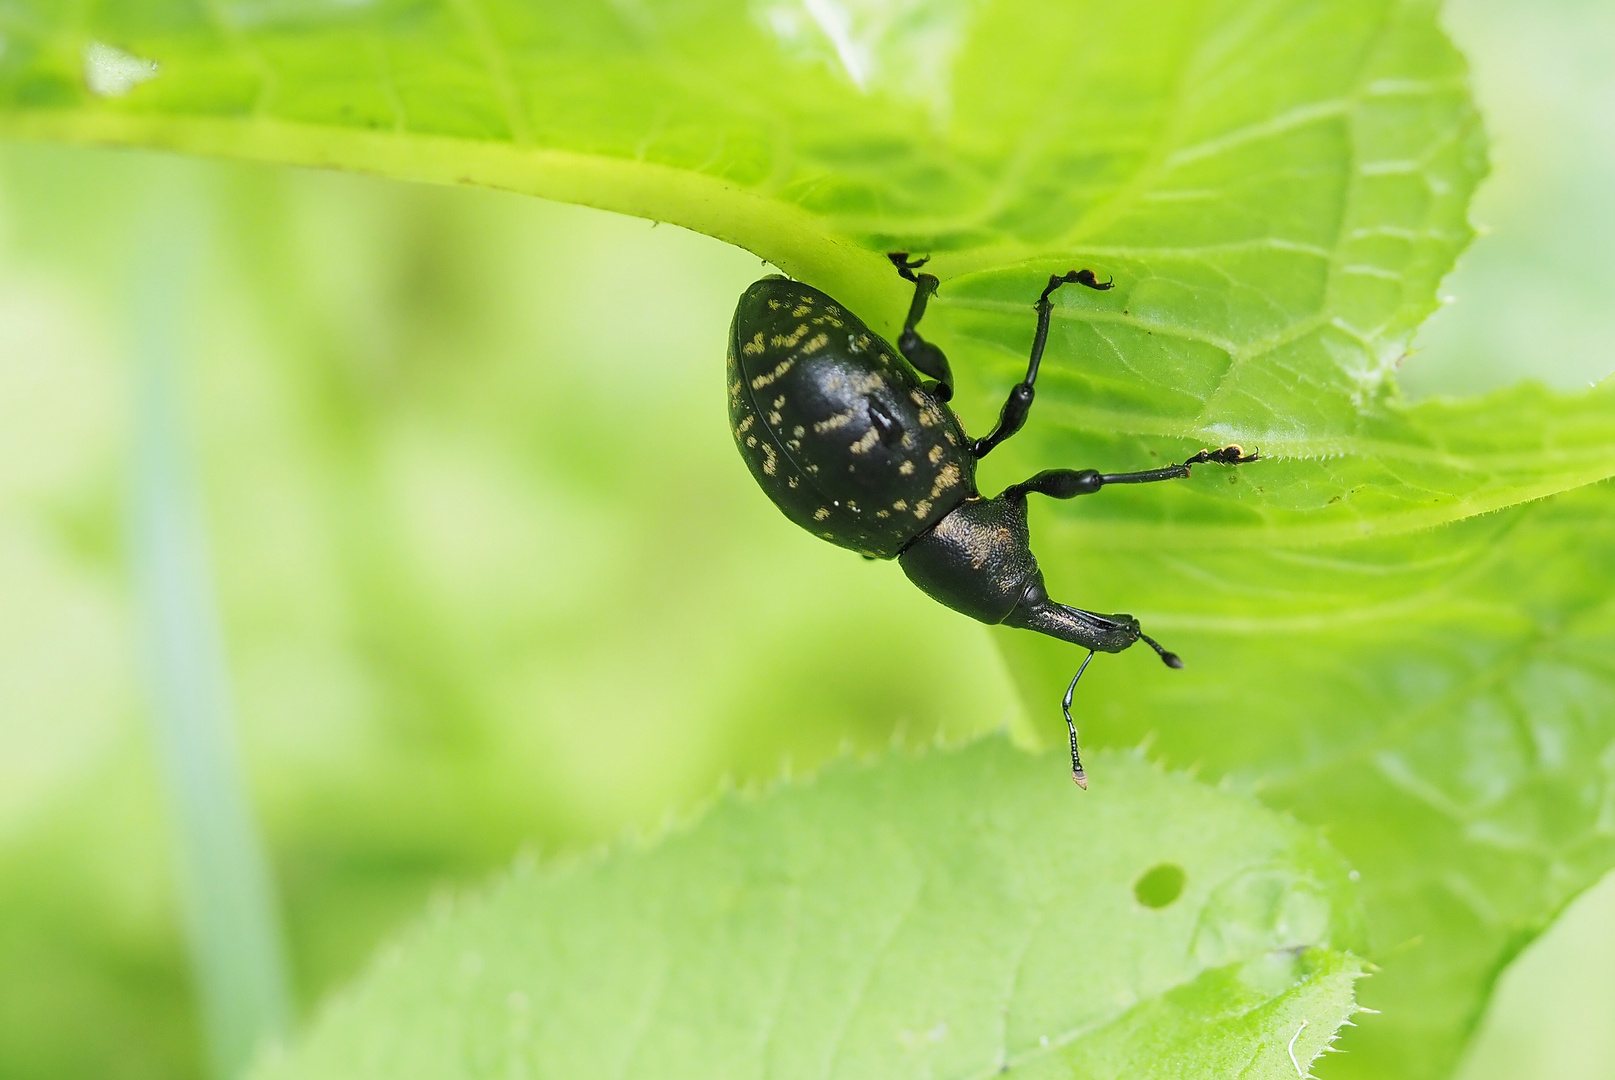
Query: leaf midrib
column 795, row 240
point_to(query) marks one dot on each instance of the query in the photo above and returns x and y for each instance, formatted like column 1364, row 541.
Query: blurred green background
column 491, row 580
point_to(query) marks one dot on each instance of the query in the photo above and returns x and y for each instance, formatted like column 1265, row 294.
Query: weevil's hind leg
column 906, row 266
column 926, row 357
column 1077, row 773
column 1069, row 483
column 1019, row 403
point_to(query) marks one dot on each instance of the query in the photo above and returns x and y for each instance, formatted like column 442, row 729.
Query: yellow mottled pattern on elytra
column 839, row 420
column 835, row 426
column 788, row 341
column 768, row 378
column 865, row 442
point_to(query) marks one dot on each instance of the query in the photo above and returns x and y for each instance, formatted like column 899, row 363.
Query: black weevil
column 849, row 442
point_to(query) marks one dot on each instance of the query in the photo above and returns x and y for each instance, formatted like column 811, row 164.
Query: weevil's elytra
column 815, row 396
column 854, row 441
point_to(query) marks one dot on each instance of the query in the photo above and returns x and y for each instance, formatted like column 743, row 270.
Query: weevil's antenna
column 1065, row 706
column 1170, row 659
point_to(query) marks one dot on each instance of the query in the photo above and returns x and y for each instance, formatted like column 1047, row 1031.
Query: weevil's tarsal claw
column 1074, row 277
column 1086, row 277
column 905, row 265
column 1232, row 454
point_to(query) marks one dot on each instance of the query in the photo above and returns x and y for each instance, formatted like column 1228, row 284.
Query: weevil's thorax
column 835, row 425
column 977, row 560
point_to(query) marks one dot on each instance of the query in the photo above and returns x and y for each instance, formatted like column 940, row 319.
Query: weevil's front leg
column 926, row 357
column 1019, row 403
column 1069, row 483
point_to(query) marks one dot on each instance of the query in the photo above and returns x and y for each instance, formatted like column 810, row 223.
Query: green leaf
column 965, row 913
column 1442, row 704
column 1407, row 467
column 1277, row 188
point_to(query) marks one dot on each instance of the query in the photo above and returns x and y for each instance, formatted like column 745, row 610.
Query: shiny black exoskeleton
column 843, row 434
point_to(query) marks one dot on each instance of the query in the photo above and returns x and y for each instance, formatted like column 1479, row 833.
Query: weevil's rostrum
column 853, row 439
column 835, row 425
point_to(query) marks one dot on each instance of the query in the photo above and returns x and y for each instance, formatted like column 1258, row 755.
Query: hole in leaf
column 1159, row 885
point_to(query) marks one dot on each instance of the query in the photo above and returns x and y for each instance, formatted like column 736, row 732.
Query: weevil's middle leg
column 1019, row 403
